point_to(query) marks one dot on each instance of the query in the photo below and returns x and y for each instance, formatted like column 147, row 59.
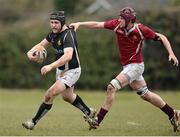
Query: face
column 122, row 22
column 55, row 26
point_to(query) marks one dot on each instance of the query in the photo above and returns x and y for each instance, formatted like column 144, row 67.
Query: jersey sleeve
column 69, row 39
column 111, row 24
column 148, row 33
column 48, row 37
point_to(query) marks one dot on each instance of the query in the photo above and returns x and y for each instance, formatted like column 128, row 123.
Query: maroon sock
column 101, row 114
column 168, row 110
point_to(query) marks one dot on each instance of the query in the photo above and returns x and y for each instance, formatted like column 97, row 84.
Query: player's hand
column 45, row 69
column 74, row 25
column 31, row 57
column 173, row 58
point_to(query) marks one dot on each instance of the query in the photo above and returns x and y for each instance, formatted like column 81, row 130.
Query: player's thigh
column 70, row 77
column 133, row 71
column 136, row 84
column 117, row 83
column 140, row 87
column 123, row 79
column 56, row 88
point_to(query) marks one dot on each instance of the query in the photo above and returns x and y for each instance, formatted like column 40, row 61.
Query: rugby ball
column 41, row 54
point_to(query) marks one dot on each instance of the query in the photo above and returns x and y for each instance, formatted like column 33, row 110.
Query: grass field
column 128, row 116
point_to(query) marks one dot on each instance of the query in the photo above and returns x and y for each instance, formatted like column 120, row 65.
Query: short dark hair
column 58, row 15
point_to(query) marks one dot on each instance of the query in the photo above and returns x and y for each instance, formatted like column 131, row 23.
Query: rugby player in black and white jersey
column 67, row 65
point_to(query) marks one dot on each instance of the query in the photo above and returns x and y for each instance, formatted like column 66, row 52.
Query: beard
column 54, row 30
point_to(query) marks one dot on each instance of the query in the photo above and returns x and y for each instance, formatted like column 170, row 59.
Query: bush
column 67, row 5
column 98, row 54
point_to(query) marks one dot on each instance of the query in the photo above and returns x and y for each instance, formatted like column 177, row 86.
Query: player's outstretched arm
column 168, row 47
column 87, row 24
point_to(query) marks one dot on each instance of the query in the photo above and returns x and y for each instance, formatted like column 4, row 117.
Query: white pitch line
column 133, row 123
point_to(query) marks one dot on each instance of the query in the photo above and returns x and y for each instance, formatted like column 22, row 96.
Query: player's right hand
column 31, row 57
column 75, row 26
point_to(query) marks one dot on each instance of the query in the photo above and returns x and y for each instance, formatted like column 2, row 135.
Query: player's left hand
column 45, row 69
column 173, row 58
column 75, row 26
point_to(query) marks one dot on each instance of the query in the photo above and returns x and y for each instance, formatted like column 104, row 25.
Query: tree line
column 98, row 54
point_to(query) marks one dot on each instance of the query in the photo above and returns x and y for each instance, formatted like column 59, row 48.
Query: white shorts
column 68, row 77
column 134, row 71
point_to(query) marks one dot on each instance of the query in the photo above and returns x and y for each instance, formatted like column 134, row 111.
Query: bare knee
column 144, row 93
column 147, row 96
column 66, row 98
column 144, row 97
column 49, row 96
column 111, row 92
column 112, row 88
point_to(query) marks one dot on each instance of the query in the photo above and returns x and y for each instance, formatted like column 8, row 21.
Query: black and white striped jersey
column 62, row 40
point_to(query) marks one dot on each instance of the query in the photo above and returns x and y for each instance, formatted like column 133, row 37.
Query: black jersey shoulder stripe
column 67, row 64
column 77, row 56
column 65, row 36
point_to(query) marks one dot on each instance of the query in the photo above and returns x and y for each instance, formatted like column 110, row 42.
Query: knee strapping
column 116, row 84
column 142, row 91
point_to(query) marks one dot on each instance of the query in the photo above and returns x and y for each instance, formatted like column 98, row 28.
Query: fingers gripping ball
column 41, row 54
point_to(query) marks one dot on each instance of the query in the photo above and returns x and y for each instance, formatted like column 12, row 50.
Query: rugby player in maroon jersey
column 130, row 36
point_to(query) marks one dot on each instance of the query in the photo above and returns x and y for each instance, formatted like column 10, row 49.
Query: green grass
column 128, row 116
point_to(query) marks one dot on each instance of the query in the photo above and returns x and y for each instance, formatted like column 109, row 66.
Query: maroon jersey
column 130, row 42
